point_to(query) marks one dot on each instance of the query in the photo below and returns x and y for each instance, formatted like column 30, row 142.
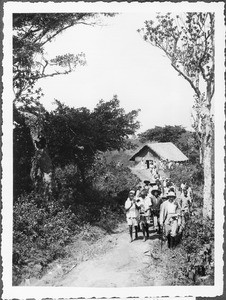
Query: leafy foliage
column 112, row 179
column 31, row 33
column 41, row 230
column 198, row 244
column 162, row 134
column 190, row 173
column 187, row 40
column 44, row 225
column 198, row 234
column 75, row 135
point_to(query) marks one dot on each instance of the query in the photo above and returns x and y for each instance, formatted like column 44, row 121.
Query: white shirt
column 167, row 209
column 133, row 211
column 171, row 207
column 144, row 205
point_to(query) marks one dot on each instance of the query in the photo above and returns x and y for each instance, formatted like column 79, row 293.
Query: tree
column 31, row 32
column 162, row 134
column 188, row 42
column 76, row 135
column 189, row 145
column 23, row 150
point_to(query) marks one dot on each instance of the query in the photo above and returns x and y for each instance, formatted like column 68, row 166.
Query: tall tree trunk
column 208, row 166
column 41, row 171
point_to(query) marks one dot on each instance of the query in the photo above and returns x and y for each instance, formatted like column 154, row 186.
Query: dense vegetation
column 87, row 189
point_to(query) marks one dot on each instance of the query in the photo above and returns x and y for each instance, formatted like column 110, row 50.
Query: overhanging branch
column 188, row 79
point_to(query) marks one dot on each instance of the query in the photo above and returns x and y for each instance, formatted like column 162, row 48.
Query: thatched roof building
column 159, row 151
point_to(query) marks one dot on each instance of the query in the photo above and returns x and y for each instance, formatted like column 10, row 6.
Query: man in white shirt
column 132, row 214
column 169, row 218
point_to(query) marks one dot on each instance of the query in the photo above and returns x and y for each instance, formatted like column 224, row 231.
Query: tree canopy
column 162, row 134
column 31, row 32
column 188, row 41
column 75, row 134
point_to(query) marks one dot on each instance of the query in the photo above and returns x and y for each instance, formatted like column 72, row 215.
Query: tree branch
column 52, row 74
column 55, row 34
column 74, row 22
column 188, row 79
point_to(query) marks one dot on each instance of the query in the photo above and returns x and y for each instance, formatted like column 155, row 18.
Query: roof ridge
column 172, row 153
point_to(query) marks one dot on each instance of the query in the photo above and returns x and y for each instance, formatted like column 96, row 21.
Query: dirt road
column 123, row 265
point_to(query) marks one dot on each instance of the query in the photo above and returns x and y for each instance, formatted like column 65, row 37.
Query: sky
column 120, row 62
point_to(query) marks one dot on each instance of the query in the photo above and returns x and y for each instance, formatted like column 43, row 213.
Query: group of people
column 159, row 203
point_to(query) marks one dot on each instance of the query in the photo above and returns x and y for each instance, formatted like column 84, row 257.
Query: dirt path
column 125, row 264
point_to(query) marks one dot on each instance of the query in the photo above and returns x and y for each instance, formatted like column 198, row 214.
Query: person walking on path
column 132, row 214
column 144, row 203
column 169, row 214
column 156, row 202
column 185, row 202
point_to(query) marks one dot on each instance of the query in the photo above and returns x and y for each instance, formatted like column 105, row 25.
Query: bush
column 41, row 229
column 198, row 233
column 198, row 244
column 44, row 225
column 110, row 218
column 110, row 178
column 190, row 173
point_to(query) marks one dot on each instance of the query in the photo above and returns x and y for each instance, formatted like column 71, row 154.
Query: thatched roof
column 163, row 151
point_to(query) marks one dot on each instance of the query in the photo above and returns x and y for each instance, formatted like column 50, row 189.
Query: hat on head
column 171, row 194
column 132, row 192
column 155, row 189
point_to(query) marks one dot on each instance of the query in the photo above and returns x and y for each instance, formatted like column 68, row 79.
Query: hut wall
column 145, row 154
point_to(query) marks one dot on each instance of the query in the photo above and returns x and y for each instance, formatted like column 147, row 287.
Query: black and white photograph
column 113, row 149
